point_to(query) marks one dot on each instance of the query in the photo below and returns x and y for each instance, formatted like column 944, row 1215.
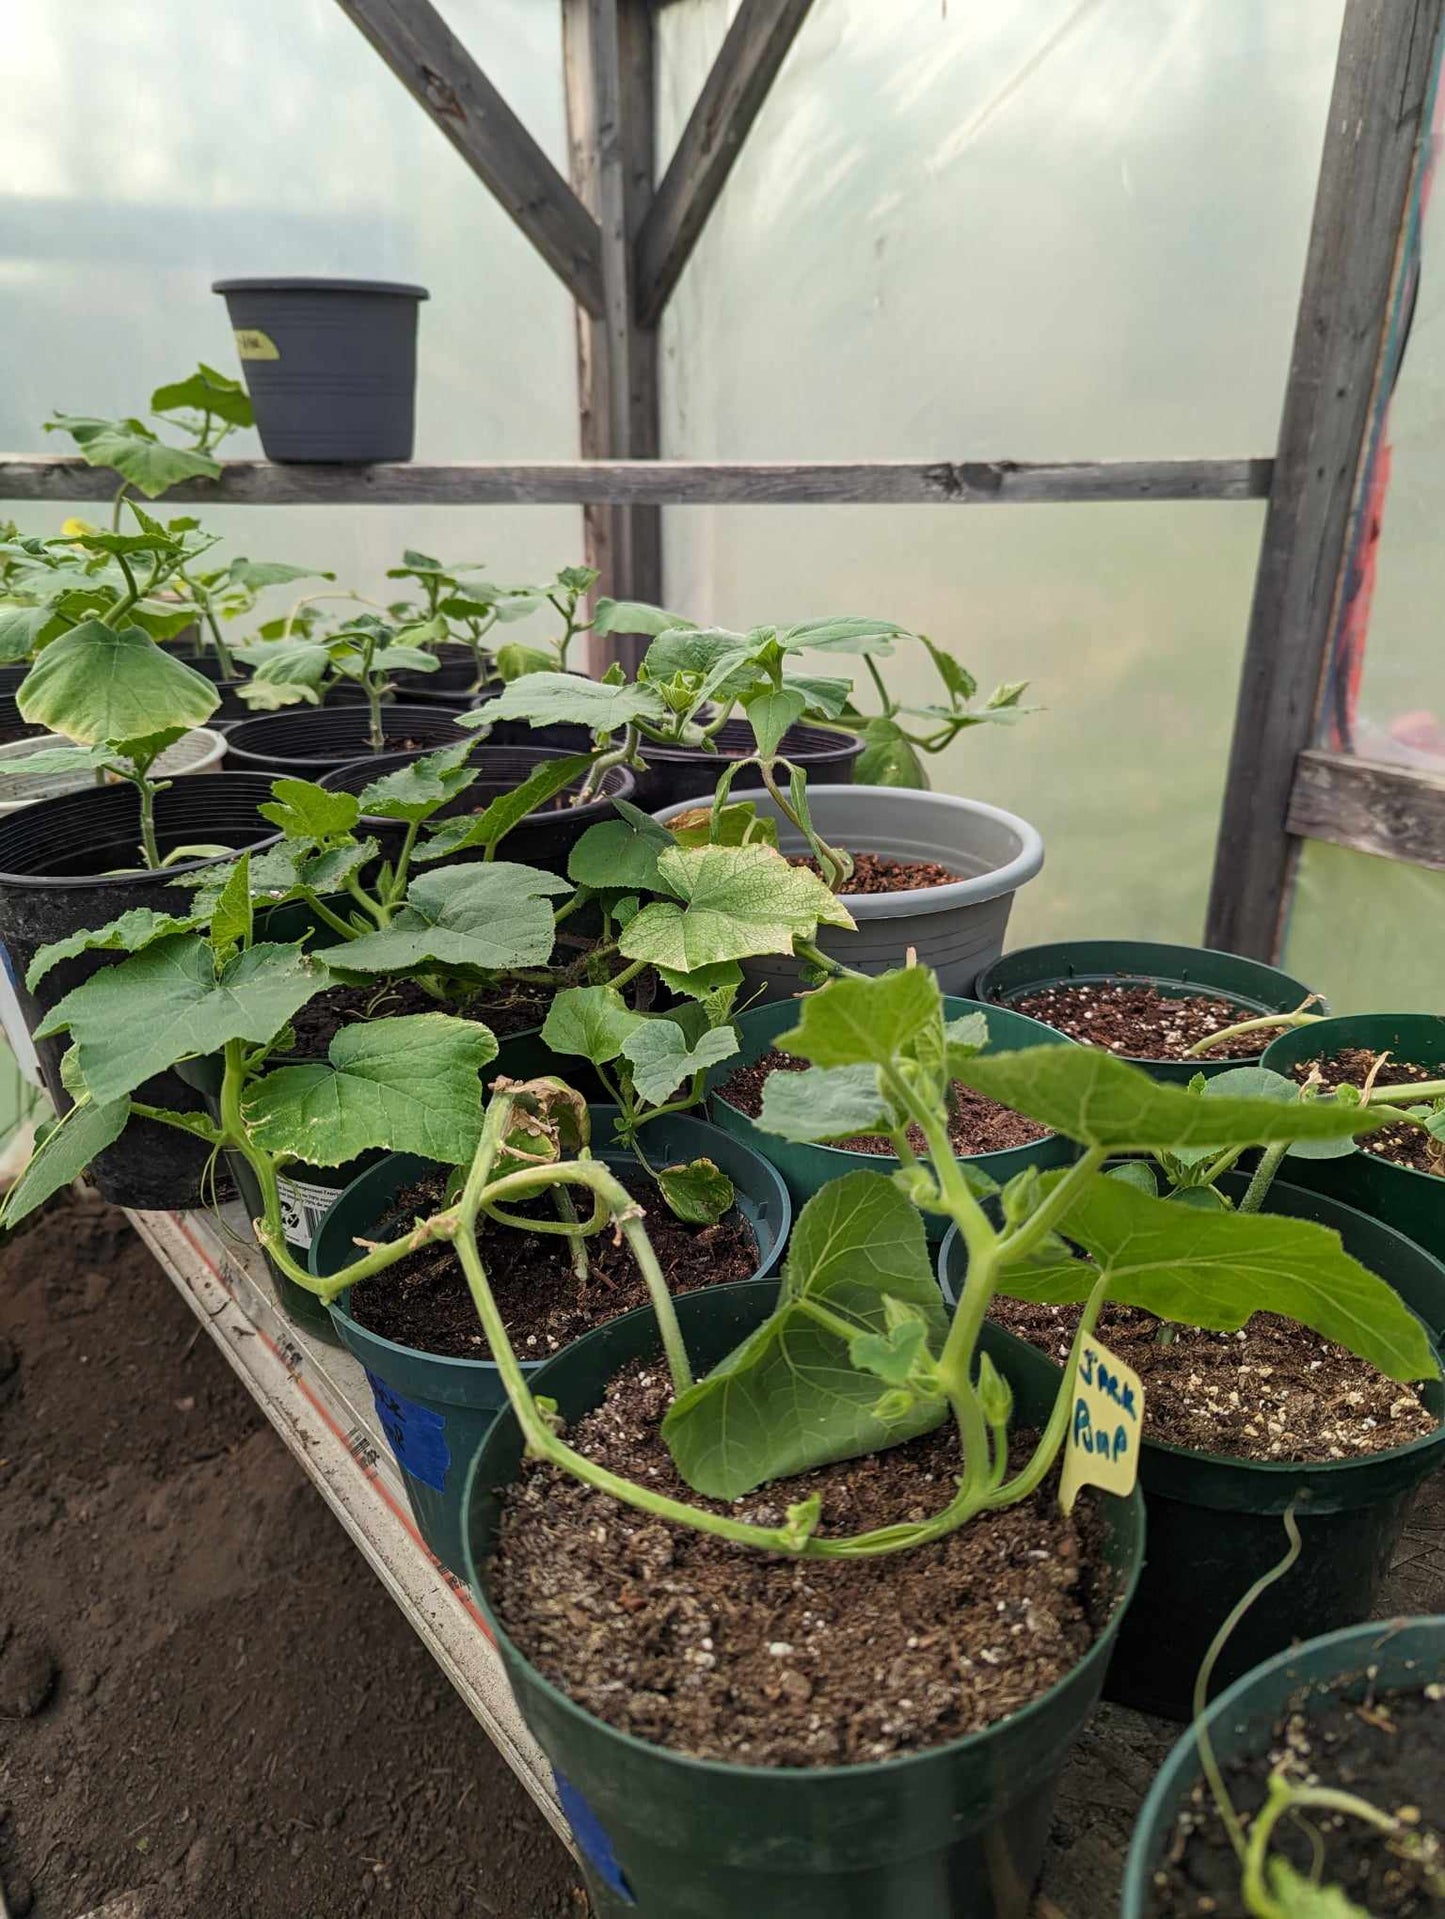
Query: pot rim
column 318, row 283
column 58, row 883
column 1300, row 1035
column 1099, row 1651
column 919, row 901
column 621, row 788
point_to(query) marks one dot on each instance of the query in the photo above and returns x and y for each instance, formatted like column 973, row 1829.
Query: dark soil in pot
column 305, row 742
column 688, row 772
column 322, row 1018
column 976, row 1125
column 881, row 873
column 1274, row 1391
column 1388, row 1749
column 1402, row 1145
column 1137, row 1021
column 424, row 1301
column 722, row 1653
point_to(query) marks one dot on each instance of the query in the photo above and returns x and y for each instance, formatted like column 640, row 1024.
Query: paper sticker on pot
column 415, row 1434
column 592, row 1841
column 1104, row 1427
column 303, row 1207
column 253, row 344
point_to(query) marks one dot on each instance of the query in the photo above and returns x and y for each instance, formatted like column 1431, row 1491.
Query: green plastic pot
column 1397, row 1655
column 1180, row 971
column 806, row 1168
column 434, row 1410
column 1413, row 1203
column 1215, row 1522
column 955, row 1832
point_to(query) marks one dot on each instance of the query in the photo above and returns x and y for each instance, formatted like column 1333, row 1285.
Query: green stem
column 1268, row 1022
column 1056, row 1431
column 324, row 913
column 1270, row 1161
column 603, row 764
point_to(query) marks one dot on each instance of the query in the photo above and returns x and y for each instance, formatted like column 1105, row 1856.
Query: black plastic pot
column 1179, row 971
column 304, row 742
column 954, row 1832
column 806, row 1168
column 1412, row 1202
column 330, row 365
column 688, row 772
column 435, row 1410
column 12, row 727
column 450, row 684
column 1215, row 1521
column 61, row 869
column 1397, row 1655
column 544, row 839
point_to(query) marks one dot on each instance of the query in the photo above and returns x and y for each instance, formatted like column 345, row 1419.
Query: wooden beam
column 1396, row 812
column 669, row 483
column 436, row 69
column 607, row 54
column 1374, row 140
column 753, row 50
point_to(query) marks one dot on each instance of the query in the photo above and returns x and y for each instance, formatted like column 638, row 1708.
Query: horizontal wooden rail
column 1397, row 812
column 670, row 483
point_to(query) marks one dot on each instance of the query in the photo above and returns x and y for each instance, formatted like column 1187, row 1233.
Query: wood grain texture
column 436, row 69
column 1389, row 51
column 670, row 483
column 752, row 51
column 1396, row 812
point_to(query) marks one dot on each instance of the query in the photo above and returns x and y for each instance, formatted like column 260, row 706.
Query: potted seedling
column 457, row 614
column 1312, row 1786
column 1174, row 1010
column 1399, row 1175
column 1302, row 1405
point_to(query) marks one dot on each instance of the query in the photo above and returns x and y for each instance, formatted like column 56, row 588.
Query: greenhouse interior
column 722, row 819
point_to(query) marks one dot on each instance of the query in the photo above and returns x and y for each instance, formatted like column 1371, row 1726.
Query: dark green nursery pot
column 807, row 1168
column 1215, row 1522
column 434, row 1410
column 1180, row 971
column 1413, row 1203
column 1397, row 1655
column 955, row 1832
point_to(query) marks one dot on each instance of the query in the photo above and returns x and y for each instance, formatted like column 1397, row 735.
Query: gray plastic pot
column 330, row 365
column 958, row 929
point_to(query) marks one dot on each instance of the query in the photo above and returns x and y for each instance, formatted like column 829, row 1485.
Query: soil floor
column 208, row 1707
column 206, row 1699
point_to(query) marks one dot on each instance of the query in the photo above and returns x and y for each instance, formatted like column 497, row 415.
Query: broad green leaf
column 262, row 695
column 232, row 919
column 305, row 811
column 133, row 451
column 620, row 852
column 888, row 758
column 329, row 870
column 634, row 616
column 1137, row 1173
column 1098, row 1100
column 704, row 655
column 20, row 629
column 591, row 1021
column 698, row 1192
column 492, row 917
column 55, row 760
column 1294, row 1896
column 788, row 1398
column 1216, row 1269
column 739, row 823
column 514, row 662
column 205, row 391
column 99, row 684
column 171, row 1002
column 734, row 901
column 129, row 934
column 823, row 1103
column 853, row 1022
column 414, row 792
column 662, row 1058
column 961, row 684
column 770, row 714
column 63, row 1155
column 283, row 665
column 826, row 697
column 409, row 1084
column 253, row 575
column 725, row 977
column 404, row 659
column 491, row 825
column 843, row 633
column 549, row 699
column 963, row 1037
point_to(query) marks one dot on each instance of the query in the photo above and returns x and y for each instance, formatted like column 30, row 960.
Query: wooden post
column 607, row 53
column 1374, row 146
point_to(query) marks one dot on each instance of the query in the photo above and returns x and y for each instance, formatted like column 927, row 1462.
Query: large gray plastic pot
column 957, row 930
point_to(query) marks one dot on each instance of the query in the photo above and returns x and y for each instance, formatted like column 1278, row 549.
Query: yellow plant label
column 253, row 344
column 1105, row 1424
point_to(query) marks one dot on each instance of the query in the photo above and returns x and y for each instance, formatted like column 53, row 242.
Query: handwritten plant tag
column 1104, row 1427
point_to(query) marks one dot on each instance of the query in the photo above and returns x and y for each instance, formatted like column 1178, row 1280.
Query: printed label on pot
column 1104, row 1427
column 592, row 1841
column 415, row 1434
column 253, row 344
column 302, row 1209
